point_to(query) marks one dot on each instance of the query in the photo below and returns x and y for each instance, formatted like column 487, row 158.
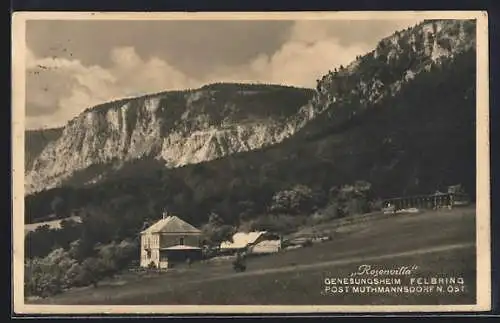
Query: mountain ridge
column 380, row 119
column 180, row 127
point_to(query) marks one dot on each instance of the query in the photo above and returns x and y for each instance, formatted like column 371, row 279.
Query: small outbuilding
column 256, row 242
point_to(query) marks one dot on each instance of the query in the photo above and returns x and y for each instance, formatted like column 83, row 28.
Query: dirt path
column 347, row 261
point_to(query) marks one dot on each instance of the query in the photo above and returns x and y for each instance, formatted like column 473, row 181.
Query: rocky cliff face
column 187, row 127
column 396, row 61
column 36, row 141
column 179, row 128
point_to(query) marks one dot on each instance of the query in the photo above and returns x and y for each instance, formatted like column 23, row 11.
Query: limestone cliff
column 395, row 61
column 180, row 128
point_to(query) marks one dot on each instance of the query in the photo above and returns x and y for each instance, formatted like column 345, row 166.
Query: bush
column 307, row 243
column 126, row 252
column 376, row 205
column 296, row 200
column 60, row 270
column 331, row 211
column 216, row 231
column 46, row 285
column 358, row 205
column 353, row 199
column 93, row 271
column 75, row 276
column 48, row 276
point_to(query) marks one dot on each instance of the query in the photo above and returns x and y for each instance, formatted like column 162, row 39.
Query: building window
column 181, row 241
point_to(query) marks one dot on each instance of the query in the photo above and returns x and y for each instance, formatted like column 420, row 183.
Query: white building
column 168, row 241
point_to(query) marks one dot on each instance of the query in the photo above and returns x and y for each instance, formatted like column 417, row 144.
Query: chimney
column 165, row 214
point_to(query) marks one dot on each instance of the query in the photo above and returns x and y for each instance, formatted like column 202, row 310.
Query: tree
column 223, row 233
column 81, row 248
column 331, row 211
column 456, row 189
column 333, row 193
column 40, row 242
column 216, row 231
column 376, row 205
column 48, row 276
column 93, row 271
column 98, row 226
column 126, row 251
column 59, row 207
column 247, row 210
column 67, row 233
column 215, row 220
column 293, row 201
column 354, row 199
column 107, row 259
column 115, row 256
column 75, row 275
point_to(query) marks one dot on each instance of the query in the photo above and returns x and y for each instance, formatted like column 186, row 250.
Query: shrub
column 376, row 205
column 48, row 276
column 75, row 276
column 307, row 243
column 93, row 271
column 296, row 200
column 331, row 211
column 152, row 265
column 60, row 270
column 216, row 231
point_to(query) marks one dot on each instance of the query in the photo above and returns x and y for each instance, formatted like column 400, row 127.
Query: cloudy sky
column 73, row 65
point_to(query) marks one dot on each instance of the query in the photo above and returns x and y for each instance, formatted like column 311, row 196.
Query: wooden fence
column 433, row 201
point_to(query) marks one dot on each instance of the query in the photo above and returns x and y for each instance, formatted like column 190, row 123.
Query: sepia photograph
column 292, row 162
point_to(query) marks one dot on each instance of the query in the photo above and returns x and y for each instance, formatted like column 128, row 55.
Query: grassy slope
column 296, row 276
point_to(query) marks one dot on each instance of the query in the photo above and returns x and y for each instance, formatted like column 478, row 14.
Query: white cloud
column 125, row 58
column 300, row 61
column 65, row 87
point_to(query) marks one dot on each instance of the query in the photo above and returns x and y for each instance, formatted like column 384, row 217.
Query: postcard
column 284, row 162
